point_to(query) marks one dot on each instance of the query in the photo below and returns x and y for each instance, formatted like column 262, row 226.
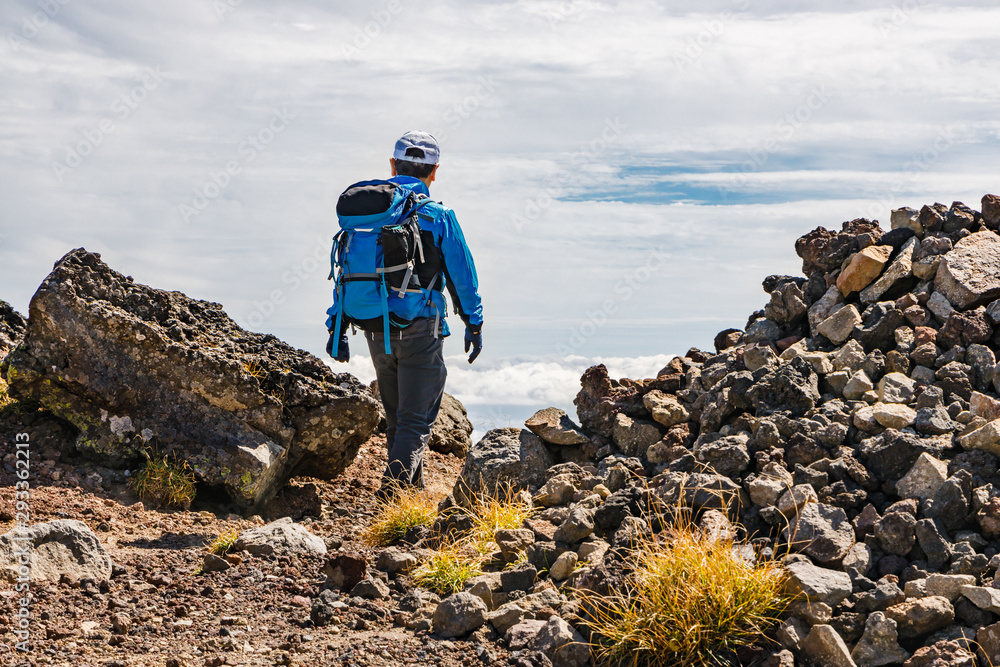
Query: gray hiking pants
column 411, row 383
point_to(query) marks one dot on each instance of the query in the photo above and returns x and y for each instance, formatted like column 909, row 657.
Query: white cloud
column 559, row 71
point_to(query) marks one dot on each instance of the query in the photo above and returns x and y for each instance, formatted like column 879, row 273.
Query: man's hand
column 343, row 348
column 473, row 339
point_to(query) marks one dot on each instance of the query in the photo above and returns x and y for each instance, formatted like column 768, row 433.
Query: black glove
column 473, row 339
column 343, row 348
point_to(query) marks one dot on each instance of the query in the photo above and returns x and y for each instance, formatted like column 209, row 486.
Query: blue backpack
column 385, row 265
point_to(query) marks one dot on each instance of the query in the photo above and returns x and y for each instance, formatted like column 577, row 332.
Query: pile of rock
column 135, row 369
column 853, row 429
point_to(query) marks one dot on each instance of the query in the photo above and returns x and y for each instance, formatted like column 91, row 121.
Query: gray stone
column 949, row 586
column 969, row 275
column 792, row 500
column 879, row 645
column 824, row 307
column 934, row 421
column 520, row 635
column 213, row 563
column 726, row 455
column 893, row 415
column 458, row 615
column 395, row 561
column 821, row 531
column 895, row 388
column 129, row 365
column 791, row 387
column 578, row 526
column 506, row 616
column 761, row 331
column 513, row 541
column 563, row 645
column 895, row 532
column 986, row 438
column 900, row 269
column 504, row 456
column 759, row 356
column 921, row 616
column 564, row 566
column 850, row 357
column 63, row 546
column 518, row 579
column 817, row 584
column 634, row 436
column 988, row 639
column 371, row 589
column 924, row 478
column 839, row 326
column 933, row 543
column 767, row 487
column 940, row 306
column 666, row 409
column 558, row 490
column 823, row 646
column 984, row 598
column 283, row 536
column 554, row 426
column 858, row 386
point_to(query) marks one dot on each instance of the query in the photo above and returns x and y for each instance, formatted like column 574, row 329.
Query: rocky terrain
column 851, row 431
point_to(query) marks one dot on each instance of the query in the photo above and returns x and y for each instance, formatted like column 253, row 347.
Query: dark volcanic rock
column 598, row 401
column 134, row 367
column 504, row 456
column 12, row 327
column 791, row 387
column 823, row 250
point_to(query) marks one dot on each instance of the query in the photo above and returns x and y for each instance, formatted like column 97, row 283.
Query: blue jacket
column 458, row 273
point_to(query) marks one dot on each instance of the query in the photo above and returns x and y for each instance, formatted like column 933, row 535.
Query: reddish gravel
column 156, row 611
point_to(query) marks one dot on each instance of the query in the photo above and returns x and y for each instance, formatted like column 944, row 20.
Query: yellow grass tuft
column 448, row 568
column 504, row 509
column 408, row 509
column 222, row 544
column 694, row 599
column 165, row 483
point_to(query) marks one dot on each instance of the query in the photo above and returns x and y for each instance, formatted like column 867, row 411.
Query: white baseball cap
column 417, row 146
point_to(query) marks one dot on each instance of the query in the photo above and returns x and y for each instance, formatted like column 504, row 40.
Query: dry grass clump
column 693, row 600
column 449, row 567
column 408, row 509
column 223, row 544
column 458, row 557
column 504, row 509
column 163, row 482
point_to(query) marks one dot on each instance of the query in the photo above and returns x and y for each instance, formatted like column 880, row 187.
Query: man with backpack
column 396, row 253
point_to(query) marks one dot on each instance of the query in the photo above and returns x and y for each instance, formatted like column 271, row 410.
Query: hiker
column 396, row 253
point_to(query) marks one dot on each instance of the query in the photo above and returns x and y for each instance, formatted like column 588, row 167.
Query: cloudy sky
column 626, row 173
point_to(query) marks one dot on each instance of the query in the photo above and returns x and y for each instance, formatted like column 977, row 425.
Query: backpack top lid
column 371, row 204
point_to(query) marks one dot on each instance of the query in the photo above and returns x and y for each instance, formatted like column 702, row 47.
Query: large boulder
column 133, row 367
column 53, row 549
column 969, row 275
column 504, row 457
